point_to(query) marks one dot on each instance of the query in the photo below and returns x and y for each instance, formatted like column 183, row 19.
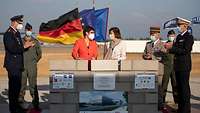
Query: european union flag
column 97, row 19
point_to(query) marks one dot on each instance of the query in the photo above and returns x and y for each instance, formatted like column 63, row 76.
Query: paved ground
column 195, row 94
column 43, row 92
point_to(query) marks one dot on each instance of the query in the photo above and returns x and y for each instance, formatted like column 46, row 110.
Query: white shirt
column 119, row 52
column 13, row 28
column 183, row 33
column 156, row 41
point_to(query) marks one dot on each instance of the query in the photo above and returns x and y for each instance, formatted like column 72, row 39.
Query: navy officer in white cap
column 182, row 48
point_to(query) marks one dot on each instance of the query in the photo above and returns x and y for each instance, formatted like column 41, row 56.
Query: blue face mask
column 28, row 33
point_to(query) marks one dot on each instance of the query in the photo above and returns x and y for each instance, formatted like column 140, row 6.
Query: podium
column 74, row 89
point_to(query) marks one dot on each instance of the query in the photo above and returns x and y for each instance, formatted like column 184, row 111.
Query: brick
column 71, row 98
column 56, row 98
column 151, row 98
column 104, row 65
column 126, row 65
column 82, row 65
column 144, row 108
column 62, row 65
column 136, row 98
column 63, row 108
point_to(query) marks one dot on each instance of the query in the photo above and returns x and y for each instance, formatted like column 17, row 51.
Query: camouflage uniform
column 168, row 61
column 154, row 51
column 31, row 58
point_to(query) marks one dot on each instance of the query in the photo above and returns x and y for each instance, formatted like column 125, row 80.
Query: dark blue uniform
column 13, row 63
column 182, row 65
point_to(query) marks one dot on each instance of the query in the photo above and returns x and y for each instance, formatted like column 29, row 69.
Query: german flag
column 65, row 30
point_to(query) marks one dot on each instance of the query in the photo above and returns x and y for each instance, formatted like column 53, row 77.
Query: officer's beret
column 182, row 21
column 154, row 30
column 171, row 32
column 28, row 26
column 18, row 18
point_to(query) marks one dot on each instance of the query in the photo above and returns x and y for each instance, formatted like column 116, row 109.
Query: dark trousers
column 14, row 76
column 182, row 78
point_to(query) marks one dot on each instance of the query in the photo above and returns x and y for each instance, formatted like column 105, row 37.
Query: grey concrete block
column 130, row 108
column 85, row 86
column 125, row 76
column 123, row 86
column 145, row 108
column 83, row 76
column 56, row 98
column 151, row 98
column 136, row 98
column 63, row 108
column 71, row 98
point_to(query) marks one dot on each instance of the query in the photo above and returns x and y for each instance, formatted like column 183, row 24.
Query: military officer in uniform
column 31, row 57
column 182, row 48
column 13, row 61
column 168, row 61
column 155, row 50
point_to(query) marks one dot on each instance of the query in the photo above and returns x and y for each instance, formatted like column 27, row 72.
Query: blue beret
column 28, row 26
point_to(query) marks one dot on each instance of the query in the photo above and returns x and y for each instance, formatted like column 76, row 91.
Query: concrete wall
column 65, row 54
column 139, row 101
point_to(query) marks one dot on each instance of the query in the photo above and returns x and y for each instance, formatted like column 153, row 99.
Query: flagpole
column 93, row 4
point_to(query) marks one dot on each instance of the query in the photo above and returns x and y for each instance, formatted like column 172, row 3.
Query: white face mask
column 91, row 36
column 19, row 27
column 171, row 38
column 28, row 33
column 179, row 30
column 111, row 36
column 153, row 38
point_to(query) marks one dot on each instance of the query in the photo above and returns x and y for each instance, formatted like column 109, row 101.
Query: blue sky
column 133, row 17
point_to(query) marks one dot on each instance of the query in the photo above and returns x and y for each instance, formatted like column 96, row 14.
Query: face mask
column 91, row 36
column 28, row 33
column 19, row 26
column 153, row 38
column 179, row 29
column 171, row 39
column 111, row 36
